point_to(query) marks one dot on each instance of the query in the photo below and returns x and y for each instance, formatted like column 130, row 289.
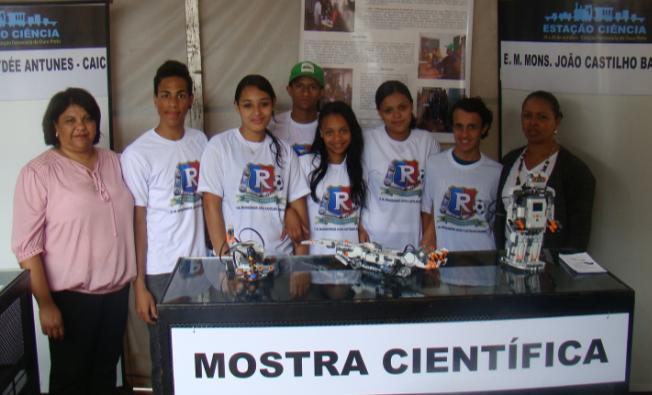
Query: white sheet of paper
column 582, row 263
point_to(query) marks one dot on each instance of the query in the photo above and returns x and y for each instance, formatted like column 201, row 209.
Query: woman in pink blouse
column 73, row 230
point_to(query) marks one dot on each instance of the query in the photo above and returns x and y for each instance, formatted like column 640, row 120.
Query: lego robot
column 530, row 211
column 372, row 257
column 246, row 259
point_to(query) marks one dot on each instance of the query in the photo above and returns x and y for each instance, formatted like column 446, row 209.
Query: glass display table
column 472, row 326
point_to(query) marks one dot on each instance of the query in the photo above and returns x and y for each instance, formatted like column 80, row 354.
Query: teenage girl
column 394, row 160
column 334, row 173
column 249, row 177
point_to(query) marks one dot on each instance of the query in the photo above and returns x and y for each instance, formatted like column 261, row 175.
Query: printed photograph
column 329, row 15
column 433, row 106
column 442, row 57
column 338, row 85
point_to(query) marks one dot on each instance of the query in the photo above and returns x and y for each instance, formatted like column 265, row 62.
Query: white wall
column 612, row 135
column 23, row 141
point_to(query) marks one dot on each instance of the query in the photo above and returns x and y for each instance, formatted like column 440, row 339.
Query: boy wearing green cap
column 297, row 126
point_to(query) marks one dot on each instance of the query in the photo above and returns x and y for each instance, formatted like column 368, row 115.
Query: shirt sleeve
column 297, row 182
column 306, row 165
column 210, row 172
column 30, row 201
column 433, row 145
column 135, row 171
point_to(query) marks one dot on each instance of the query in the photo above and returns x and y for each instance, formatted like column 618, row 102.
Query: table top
column 202, row 281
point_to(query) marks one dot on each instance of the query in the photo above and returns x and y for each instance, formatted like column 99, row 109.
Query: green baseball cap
column 307, row 69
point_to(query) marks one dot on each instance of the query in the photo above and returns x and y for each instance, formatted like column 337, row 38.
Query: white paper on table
column 582, row 263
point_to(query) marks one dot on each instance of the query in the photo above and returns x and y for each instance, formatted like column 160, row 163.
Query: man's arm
column 215, row 222
column 145, row 303
column 429, row 237
column 301, row 209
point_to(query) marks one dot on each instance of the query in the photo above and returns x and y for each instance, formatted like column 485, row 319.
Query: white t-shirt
column 334, row 217
column 464, row 201
column 162, row 175
column 394, row 171
column 298, row 135
column 254, row 189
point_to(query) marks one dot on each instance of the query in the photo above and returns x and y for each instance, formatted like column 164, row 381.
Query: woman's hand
column 429, row 237
column 49, row 313
column 51, row 320
column 363, row 236
column 293, row 227
column 300, row 209
column 299, row 284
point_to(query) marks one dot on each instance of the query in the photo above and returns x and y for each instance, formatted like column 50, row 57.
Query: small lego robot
column 246, row 258
column 530, row 211
column 372, row 257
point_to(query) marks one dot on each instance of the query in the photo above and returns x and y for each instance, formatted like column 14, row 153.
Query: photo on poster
column 338, row 85
column 442, row 57
column 433, row 108
column 329, row 15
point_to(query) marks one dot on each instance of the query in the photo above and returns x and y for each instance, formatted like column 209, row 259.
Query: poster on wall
column 589, row 47
column 46, row 48
column 362, row 43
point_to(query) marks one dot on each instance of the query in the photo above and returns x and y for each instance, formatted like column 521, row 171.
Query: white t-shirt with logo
column 254, row 189
column 163, row 176
column 464, row 201
column 394, row 171
column 334, row 216
column 298, row 135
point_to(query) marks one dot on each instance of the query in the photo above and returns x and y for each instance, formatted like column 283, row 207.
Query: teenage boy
column 161, row 168
column 462, row 184
column 297, row 126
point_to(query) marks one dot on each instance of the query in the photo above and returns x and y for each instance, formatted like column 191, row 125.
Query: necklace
column 520, row 166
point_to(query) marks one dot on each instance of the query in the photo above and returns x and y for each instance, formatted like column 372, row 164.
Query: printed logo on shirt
column 302, row 149
column 403, row 178
column 336, row 206
column 259, row 184
column 186, row 179
column 461, row 206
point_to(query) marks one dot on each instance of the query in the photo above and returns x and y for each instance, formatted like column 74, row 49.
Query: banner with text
column 414, row 358
column 45, row 48
column 593, row 47
column 362, row 43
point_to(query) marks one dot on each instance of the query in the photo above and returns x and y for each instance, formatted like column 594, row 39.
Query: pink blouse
column 80, row 221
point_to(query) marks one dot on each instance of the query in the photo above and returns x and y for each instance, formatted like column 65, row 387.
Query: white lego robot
column 372, row 257
column 530, row 211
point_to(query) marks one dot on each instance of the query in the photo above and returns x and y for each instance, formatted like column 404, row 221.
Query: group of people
column 88, row 222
